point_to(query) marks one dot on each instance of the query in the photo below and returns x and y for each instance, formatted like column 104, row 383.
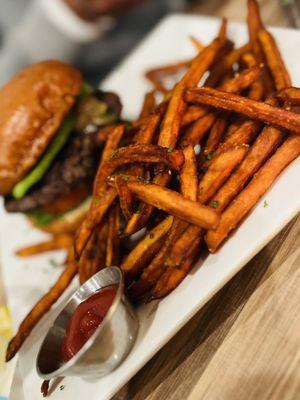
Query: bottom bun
column 67, row 223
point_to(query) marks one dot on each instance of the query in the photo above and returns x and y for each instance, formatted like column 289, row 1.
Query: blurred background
column 96, row 34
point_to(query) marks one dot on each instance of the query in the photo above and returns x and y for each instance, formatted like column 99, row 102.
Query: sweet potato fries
column 188, row 171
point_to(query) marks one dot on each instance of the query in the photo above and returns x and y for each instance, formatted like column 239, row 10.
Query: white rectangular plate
column 26, row 280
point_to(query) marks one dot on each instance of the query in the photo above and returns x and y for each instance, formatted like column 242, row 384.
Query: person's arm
column 49, row 30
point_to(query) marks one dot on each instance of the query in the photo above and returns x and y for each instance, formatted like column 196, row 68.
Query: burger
column 49, row 143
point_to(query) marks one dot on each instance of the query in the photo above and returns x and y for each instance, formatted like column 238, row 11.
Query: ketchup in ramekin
column 86, row 319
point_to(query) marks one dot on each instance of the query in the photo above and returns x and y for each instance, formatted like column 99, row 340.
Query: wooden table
column 245, row 343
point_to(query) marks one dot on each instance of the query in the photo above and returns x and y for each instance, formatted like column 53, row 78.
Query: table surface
column 245, row 343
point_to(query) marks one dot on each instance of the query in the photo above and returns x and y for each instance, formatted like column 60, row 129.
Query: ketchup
column 86, row 319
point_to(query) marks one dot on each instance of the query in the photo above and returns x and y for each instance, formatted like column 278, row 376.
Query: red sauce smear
column 86, row 319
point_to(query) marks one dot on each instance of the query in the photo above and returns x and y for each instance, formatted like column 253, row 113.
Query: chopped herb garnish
column 147, row 181
column 170, row 150
column 209, row 156
column 126, row 178
column 139, row 178
column 151, row 236
column 138, row 210
column 77, row 165
column 54, row 263
column 215, row 203
column 128, row 124
column 114, row 154
column 97, row 201
column 62, row 387
column 265, row 204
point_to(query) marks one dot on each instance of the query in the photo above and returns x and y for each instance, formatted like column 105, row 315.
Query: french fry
column 147, row 131
column 218, row 172
column 136, row 153
column 156, row 82
column 242, row 135
column 193, row 113
column 172, row 121
column 189, row 175
column 274, row 60
column 216, row 133
column 238, row 83
column 175, row 204
column 98, row 260
column 125, row 197
column 156, row 267
column 102, row 199
column 148, row 105
column 172, row 277
column 62, row 241
column 198, row 130
column 234, row 85
column 168, row 69
column 40, row 309
column 205, row 58
column 188, row 180
column 261, row 182
column 262, row 148
column 256, row 91
column 196, row 42
column 225, row 65
column 112, row 142
column 113, row 241
column 143, row 122
column 146, row 135
column 104, row 132
column 290, row 95
column 155, row 75
column 137, row 221
column 223, row 29
column 98, row 209
column 182, row 247
column 235, row 124
column 145, row 250
column 84, row 264
column 242, row 80
column 253, row 109
column 254, row 23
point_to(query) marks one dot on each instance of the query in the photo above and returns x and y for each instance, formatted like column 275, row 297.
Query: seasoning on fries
column 261, row 182
column 253, row 109
column 187, row 172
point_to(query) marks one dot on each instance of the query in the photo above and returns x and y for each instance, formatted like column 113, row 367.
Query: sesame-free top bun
column 33, row 104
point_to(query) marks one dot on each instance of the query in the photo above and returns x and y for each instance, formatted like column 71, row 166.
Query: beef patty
column 75, row 163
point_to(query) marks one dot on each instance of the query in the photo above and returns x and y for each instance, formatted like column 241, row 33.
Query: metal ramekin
column 109, row 344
